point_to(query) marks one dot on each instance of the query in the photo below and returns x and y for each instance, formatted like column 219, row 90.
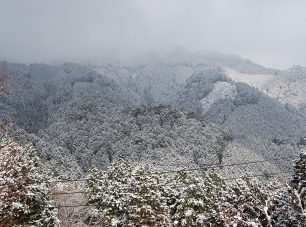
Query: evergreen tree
column 290, row 206
column 286, row 210
column 193, row 200
column 128, row 196
column 252, row 203
column 24, row 196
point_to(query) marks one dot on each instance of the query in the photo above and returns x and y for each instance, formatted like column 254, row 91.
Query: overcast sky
column 270, row 32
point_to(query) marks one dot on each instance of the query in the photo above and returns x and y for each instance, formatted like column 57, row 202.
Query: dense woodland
column 120, row 126
column 142, row 195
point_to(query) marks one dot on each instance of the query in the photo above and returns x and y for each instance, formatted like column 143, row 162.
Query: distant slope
column 243, row 98
column 79, row 116
column 159, row 135
column 40, row 92
column 286, row 86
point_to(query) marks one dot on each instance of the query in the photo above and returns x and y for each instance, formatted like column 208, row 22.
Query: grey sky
column 270, row 32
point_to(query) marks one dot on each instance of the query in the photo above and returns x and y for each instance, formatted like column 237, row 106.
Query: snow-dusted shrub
column 24, row 196
column 128, row 196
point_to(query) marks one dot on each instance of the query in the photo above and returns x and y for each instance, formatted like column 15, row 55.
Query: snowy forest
column 155, row 113
column 177, row 143
column 142, row 195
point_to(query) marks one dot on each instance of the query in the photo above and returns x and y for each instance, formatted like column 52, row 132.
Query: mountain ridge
column 62, row 104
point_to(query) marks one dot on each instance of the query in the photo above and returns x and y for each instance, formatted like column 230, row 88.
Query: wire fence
column 209, row 166
column 266, row 175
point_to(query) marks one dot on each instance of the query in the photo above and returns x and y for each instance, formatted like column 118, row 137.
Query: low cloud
column 269, row 32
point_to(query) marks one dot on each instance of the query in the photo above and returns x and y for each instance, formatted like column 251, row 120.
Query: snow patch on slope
column 259, row 81
column 286, row 89
column 221, row 90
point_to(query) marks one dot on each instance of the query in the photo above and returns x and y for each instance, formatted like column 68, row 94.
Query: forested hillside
column 263, row 124
column 77, row 118
column 175, row 132
column 125, row 114
column 183, row 109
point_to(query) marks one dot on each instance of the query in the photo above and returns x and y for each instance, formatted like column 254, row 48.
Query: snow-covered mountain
column 263, row 108
column 188, row 109
column 287, row 86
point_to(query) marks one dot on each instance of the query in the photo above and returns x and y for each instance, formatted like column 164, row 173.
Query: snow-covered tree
column 287, row 211
column 287, row 207
column 192, row 199
column 290, row 207
column 298, row 183
column 249, row 203
column 24, row 196
column 128, row 196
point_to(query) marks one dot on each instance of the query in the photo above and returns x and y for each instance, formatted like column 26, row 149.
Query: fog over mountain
column 271, row 33
column 152, row 113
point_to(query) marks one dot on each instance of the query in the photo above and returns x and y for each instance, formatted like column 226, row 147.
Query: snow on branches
column 138, row 196
column 193, row 199
column 128, row 195
column 249, row 202
column 24, row 196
